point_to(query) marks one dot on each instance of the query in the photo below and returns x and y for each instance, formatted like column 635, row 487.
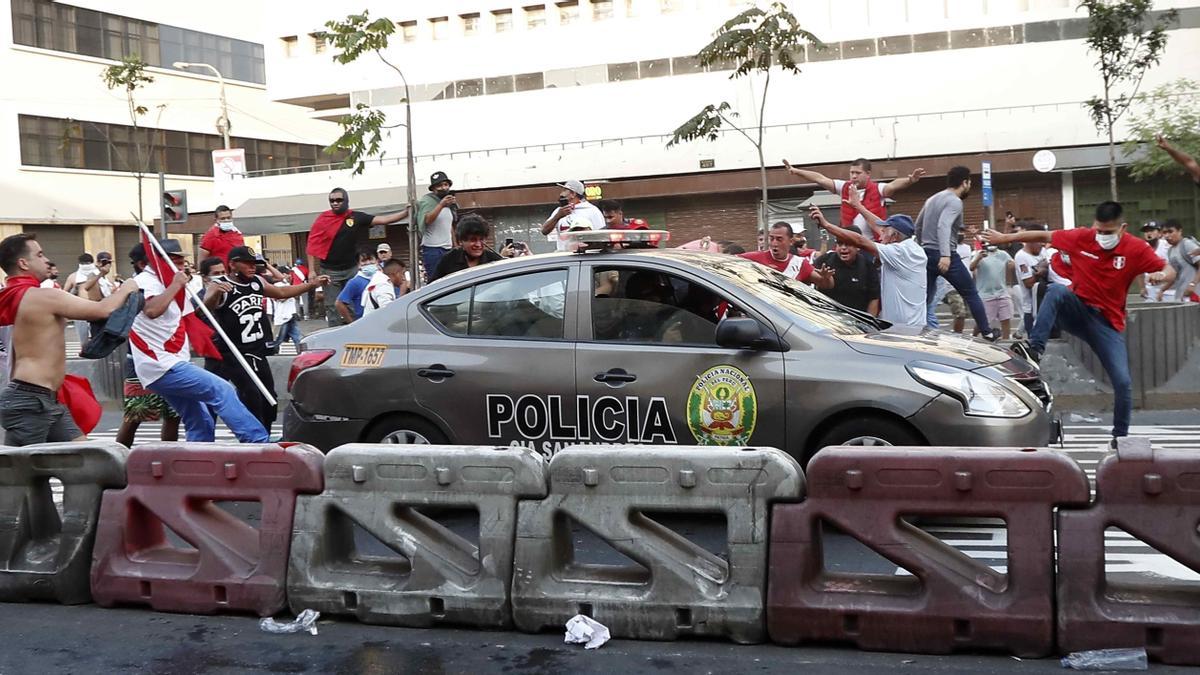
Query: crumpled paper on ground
column 582, row 630
column 307, row 621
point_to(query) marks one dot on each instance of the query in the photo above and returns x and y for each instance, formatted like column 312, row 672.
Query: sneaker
column 993, row 335
column 1024, row 350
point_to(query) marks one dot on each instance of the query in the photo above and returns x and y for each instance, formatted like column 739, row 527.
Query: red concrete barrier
column 951, row 601
column 230, row 564
column 1153, row 495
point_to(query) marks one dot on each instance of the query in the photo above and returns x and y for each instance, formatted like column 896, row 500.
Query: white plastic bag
column 307, row 621
column 583, row 630
column 1107, row 659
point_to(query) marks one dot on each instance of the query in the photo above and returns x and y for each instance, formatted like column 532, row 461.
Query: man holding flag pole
column 158, row 342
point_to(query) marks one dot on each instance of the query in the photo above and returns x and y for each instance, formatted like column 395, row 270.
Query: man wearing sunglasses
column 333, row 240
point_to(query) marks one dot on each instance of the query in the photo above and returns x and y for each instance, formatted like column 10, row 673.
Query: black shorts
column 31, row 414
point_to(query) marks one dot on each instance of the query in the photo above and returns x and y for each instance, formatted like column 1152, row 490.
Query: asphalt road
column 57, row 639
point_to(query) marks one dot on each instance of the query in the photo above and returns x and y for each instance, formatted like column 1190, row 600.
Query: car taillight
column 305, row 361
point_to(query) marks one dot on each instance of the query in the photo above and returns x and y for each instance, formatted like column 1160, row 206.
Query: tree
column 130, row 75
column 362, row 132
column 1126, row 43
column 1173, row 111
column 754, row 41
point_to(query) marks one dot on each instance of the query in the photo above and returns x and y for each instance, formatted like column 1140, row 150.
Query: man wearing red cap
column 31, row 406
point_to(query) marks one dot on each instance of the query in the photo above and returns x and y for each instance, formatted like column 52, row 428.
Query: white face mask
column 225, row 225
column 1108, row 241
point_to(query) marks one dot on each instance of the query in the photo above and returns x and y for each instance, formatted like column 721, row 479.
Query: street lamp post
column 221, row 81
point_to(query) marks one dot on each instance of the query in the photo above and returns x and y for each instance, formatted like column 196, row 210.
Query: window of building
column 499, row 85
column 53, row 25
column 408, row 29
column 568, row 12
column 440, row 27
column 670, row 6
column 530, row 81
column 464, row 88
column 470, row 24
column 535, row 16
column 81, row 144
column 320, row 42
column 602, row 10
column 631, row 7
column 502, row 20
column 289, row 46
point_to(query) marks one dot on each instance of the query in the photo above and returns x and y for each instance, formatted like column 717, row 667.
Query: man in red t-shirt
column 222, row 237
column 1104, row 262
column 778, row 257
column 872, row 195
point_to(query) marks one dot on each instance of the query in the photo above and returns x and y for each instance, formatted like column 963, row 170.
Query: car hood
column 929, row 345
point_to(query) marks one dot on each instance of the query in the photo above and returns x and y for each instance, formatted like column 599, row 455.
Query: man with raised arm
column 870, row 193
column 29, row 407
column 1105, row 260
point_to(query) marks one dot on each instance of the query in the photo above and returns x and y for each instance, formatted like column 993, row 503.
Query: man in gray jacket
column 938, row 225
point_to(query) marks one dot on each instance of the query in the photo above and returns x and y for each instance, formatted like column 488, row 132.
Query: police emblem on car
column 722, row 408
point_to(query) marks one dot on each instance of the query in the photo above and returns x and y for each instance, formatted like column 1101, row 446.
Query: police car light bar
column 614, row 238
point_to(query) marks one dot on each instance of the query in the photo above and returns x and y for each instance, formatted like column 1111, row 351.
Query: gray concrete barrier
column 683, row 589
column 45, row 556
column 438, row 575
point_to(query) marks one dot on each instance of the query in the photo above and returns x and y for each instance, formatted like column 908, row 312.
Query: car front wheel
column 404, row 430
column 868, row 431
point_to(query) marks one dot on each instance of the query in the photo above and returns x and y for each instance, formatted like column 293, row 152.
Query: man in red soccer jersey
column 871, row 194
column 1104, row 262
column 778, row 257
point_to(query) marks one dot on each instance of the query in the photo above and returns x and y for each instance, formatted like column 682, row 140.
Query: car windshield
column 800, row 299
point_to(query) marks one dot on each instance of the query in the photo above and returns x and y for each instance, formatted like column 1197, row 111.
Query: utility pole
column 162, row 206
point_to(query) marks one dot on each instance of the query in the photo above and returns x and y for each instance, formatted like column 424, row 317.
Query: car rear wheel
column 404, row 430
column 870, row 430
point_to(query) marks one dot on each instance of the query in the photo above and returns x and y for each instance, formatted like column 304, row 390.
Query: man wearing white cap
column 383, row 252
column 574, row 212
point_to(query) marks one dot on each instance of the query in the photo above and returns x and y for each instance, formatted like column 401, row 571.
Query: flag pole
column 211, row 319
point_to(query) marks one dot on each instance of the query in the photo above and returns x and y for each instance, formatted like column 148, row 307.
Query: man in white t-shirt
column 902, row 261
column 1152, row 232
column 389, row 283
column 1032, row 264
column 574, row 212
column 159, row 346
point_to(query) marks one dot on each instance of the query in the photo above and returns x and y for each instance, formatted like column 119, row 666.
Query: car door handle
column 615, row 375
column 435, row 372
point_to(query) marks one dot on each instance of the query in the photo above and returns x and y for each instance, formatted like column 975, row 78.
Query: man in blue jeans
column 938, row 225
column 161, row 358
column 1104, row 262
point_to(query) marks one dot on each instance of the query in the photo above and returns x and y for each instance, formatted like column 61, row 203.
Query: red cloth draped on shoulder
column 324, row 229
column 75, row 391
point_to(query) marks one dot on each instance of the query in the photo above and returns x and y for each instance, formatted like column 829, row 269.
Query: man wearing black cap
column 1152, row 231
column 331, row 240
column 237, row 304
column 436, row 212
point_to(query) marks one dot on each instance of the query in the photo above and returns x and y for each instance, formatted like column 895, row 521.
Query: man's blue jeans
column 960, row 278
column 288, row 331
column 191, row 390
column 1062, row 307
column 430, row 257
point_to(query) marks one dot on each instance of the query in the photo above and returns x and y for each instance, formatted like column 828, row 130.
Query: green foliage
column 363, row 131
column 1126, row 44
column 706, row 124
column 1172, row 111
column 361, row 137
column 358, row 35
column 757, row 40
column 128, row 75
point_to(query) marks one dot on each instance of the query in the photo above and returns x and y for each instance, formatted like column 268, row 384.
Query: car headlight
column 980, row 396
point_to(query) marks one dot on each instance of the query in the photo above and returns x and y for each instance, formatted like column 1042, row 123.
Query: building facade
column 511, row 98
column 71, row 152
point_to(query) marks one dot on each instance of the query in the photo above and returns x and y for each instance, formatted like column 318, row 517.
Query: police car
column 628, row 345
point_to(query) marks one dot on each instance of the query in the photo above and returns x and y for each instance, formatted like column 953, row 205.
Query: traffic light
column 175, row 207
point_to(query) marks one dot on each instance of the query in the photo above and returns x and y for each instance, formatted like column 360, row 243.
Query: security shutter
column 62, row 245
column 126, row 238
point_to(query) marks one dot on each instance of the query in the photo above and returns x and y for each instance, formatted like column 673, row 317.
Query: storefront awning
column 295, row 213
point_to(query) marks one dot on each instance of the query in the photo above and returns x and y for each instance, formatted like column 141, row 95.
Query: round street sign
column 1044, row 161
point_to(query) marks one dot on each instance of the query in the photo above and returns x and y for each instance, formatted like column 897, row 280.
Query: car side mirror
column 747, row 333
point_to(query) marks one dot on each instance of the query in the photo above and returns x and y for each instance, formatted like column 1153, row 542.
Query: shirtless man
column 29, row 409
